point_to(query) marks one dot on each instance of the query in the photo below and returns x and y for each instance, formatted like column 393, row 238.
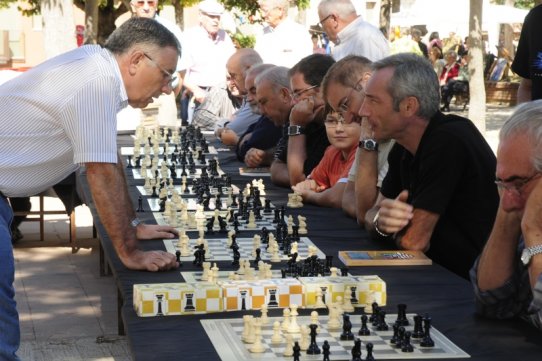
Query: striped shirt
column 58, row 115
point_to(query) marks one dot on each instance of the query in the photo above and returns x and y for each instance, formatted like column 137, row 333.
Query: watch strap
column 295, row 130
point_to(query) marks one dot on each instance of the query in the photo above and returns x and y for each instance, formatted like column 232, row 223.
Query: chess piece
column 356, row 350
column 313, row 347
column 302, row 224
column 246, row 327
column 289, row 348
column 333, row 322
column 304, row 339
column 264, row 319
column 364, row 330
column 319, row 299
column 407, row 346
column 402, row 320
column 286, row 322
column 257, row 347
column 276, row 338
column 314, row 319
column 427, row 341
column 347, row 328
column 325, row 350
column 369, row 347
column 347, row 303
column 293, row 327
column 418, row 330
column 206, row 268
column 296, row 351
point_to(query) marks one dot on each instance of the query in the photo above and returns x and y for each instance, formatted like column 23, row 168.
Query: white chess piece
column 264, row 319
column 276, row 338
column 206, row 268
column 314, row 319
column 347, row 303
column 333, row 271
column 250, row 333
column 333, row 322
column 286, row 322
column 319, row 299
column 251, row 220
column 304, row 339
column 289, row 348
column 301, row 221
column 257, row 347
column 293, row 327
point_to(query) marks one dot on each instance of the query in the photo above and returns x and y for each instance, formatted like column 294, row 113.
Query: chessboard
column 195, row 277
column 190, row 193
column 225, row 334
column 219, row 250
column 192, row 205
column 126, row 151
column 142, row 173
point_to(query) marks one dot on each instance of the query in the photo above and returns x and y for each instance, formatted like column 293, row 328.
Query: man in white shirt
column 62, row 114
column 283, row 41
column 350, row 34
column 206, row 49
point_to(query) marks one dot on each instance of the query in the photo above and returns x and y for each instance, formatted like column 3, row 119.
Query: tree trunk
column 385, row 7
column 179, row 13
column 91, row 21
column 58, row 26
column 477, row 104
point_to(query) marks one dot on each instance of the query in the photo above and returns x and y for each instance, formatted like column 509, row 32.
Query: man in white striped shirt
column 62, row 114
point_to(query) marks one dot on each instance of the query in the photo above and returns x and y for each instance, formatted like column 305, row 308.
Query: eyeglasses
column 344, row 105
column 171, row 78
column 515, row 186
column 321, row 22
column 297, row 93
column 141, row 3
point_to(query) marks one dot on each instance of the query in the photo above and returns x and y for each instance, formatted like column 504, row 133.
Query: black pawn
column 140, row 204
column 325, row 350
column 395, row 338
column 364, row 330
column 356, row 350
column 407, row 346
column 297, row 351
column 369, row 348
column 178, row 258
column 347, row 328
column 313, row 347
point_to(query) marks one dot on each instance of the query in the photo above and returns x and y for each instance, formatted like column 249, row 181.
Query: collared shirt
column 362, row 39
column 58, row 115
column 203, row 58
column 514, row 298
column 219, row 104
column 382, row 162
column 242, row 119
column 285, row 44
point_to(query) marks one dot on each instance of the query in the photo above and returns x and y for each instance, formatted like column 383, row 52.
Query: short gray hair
column 277, row 76
column 345, row 72
column 141, row 31
column 527, row 119
column 342, row 8
column 258, row 69
column 413, row 76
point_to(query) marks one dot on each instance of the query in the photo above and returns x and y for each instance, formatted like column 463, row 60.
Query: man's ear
column 409, row 106
column 285, row 94
column 135, row 59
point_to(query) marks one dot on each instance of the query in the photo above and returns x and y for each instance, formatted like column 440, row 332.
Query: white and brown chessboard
column 219, row 250
column 225, row 334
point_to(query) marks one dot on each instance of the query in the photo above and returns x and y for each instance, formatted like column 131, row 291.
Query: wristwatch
column 529, row 252
column 135, row 222
column 368, row 144
column 375, row 225
column 295, row 130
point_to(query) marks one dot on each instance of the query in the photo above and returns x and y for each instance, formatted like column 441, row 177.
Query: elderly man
column 206, row 49
column 229, row 130
column 350, row 34
column 283, row 41
column 45, row 135
column 439, row 195
column 507, row 278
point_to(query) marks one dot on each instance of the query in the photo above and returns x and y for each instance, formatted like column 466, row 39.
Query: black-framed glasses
column 321, row 22
column 297, row 93
column 171, row 78
column 516, row 186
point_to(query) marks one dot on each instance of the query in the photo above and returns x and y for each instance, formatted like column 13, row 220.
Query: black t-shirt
column 452, row 174
column 316, row 143
column 528, row 60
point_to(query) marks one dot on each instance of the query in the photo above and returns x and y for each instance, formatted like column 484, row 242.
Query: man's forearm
column 531, row 226
column 366, row 190
column 348, row 201
column 331, row 197
column 279, row 174
column 297, row 155
column 113, row 204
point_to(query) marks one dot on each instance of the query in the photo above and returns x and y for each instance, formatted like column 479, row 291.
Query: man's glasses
column 297, row 93
column 141, row 3
column 516, row 186
column 171, row 78
column 321, row 22
column 343, row 114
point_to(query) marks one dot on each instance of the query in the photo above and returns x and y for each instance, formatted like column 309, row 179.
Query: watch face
column 368, row 144
column 525, row 257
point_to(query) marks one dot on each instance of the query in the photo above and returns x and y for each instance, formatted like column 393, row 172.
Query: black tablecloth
column 447, row 298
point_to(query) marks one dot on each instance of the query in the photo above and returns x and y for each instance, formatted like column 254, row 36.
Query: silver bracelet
column 135, row 222
column 375, row 225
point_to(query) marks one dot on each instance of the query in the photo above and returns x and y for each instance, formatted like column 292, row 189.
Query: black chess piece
column 407, row 346
column 129, row 162
column 356, row 350
column 402, row 320
column 364, row 330
column 395, row 338
column 297, row 351
column 427, row 341
column 369, row 346
column 258, row 258
column 178, row 258
column 400, row 337
column 347, row 328
column 313, row 347
column 382, row 325
column 140, row 204
column 267, row 206
column 325, row 350
column 418, row 329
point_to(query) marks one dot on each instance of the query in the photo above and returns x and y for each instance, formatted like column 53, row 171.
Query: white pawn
column 286, row 322
column 246, row 328
column 294, row 326
column 333, row 322
column 294, row 248
column 275, row 257
column 251, row 336
column 264, row 319
column 206, row 268
column 319, row 299
column 304, row 340
column 276, row 338
column 251, row 220
column 289, row 348
column 301, row 221
column 333, row 271
column 314, row 319
column 214, row 272
column 257, row 347
column 370, row 298
column 347, row 302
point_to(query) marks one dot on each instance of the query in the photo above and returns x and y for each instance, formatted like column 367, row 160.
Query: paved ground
column 67, row 311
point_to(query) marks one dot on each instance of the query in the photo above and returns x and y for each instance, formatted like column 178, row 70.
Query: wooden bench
column 501, row 92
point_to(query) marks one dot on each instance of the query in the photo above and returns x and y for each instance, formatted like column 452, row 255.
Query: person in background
column 206, row 49
column 349, row 32
column 417, row 37
column 283, row 42
column 507, row 277
column 450, row 71
column 527, row 62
